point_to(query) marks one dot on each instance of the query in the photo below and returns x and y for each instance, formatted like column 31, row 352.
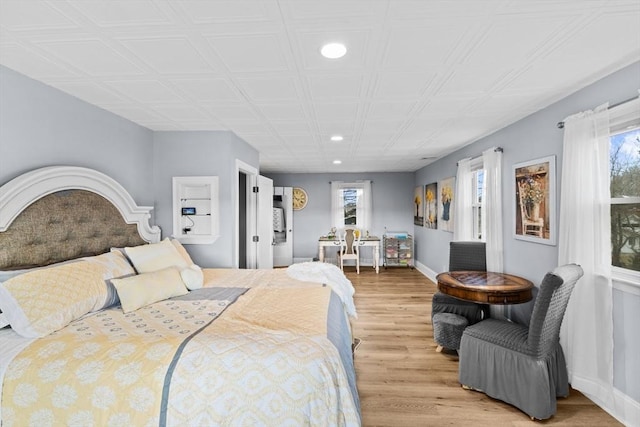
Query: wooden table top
column 485, row 287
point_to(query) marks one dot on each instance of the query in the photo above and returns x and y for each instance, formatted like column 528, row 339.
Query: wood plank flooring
column 401, row 379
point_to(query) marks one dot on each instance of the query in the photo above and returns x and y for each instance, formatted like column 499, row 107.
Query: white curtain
column 367, row 205
column 463, row 202
column 492, row 164
column 337, row 207
column 585, row 238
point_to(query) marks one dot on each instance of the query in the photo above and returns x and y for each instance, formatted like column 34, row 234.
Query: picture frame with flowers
column 534, row 189
column 431, row 205
column 418, row 205
column 446, row 202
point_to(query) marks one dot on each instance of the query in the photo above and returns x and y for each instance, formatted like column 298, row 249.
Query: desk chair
column 350, row 247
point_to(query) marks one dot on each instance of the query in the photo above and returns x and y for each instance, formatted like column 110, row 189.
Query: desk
column 370, row 241
column 485, row 287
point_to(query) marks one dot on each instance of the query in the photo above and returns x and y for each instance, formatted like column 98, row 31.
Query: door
column 264, row 225
column 282, row 226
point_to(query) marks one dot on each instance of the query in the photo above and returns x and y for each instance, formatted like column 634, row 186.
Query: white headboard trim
column 17, row 194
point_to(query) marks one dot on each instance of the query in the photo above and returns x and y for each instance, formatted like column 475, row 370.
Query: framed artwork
column 431, row 206
column 535, row 200
column 418, row 203
column 446, row 200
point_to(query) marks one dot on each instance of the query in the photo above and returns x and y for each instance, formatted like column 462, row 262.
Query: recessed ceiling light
column 337, row 162
column 337, row 138
column 333, row 50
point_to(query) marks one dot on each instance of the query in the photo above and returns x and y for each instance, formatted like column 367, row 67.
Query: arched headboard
column 61, row 212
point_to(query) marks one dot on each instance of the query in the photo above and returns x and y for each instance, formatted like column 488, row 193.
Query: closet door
column 264, row 224
column 282, row 226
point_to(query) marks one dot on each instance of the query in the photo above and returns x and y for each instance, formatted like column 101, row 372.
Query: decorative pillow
column 155, row 256
column 182, row 251
column 192, row 277
column 45, row 300
column 147, row 288
column 115, row 265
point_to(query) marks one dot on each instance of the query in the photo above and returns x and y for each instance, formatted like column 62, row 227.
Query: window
column 624, row 155
column 478, row 200
column 351, row 204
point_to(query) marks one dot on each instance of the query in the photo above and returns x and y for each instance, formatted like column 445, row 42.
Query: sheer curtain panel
column 463, row 203
column 585, row 239
column 492, row 204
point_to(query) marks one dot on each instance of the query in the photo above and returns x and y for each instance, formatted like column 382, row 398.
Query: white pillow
column 192, row 277
column 154, row 257
column 147, row 288
column 182, row 251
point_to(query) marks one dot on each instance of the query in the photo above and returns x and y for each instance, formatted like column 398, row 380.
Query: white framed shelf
column 196, row 213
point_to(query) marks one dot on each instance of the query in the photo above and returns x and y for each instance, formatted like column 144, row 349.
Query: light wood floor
column 401, row 379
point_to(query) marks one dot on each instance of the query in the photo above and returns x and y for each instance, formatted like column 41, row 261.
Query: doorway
column 242, row 220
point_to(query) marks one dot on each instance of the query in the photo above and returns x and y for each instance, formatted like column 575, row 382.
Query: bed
column 110, row 325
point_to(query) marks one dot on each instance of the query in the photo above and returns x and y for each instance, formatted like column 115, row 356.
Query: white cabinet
column 282, row 226
column 196, row 213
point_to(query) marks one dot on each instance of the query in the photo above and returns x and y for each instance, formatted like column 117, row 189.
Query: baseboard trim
column 426, row 271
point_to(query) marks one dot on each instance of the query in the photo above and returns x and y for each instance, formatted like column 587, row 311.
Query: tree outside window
column 625, row 199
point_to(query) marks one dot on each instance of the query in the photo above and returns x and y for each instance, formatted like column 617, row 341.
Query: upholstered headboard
column 58, row 213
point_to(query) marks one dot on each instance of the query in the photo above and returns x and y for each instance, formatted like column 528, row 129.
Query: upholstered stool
column 443, row 303
column 447, row 330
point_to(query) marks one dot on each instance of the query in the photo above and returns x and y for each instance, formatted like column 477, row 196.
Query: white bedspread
column 306, row 274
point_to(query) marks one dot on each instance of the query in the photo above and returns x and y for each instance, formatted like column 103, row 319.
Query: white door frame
column 252, row 174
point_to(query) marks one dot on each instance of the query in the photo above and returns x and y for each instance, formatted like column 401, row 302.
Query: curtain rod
column 561, row 124
column 496, row 149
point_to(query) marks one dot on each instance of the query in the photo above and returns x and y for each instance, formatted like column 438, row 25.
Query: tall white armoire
column 282, row 226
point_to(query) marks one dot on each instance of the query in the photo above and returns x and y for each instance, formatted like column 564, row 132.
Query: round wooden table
column 485, row 287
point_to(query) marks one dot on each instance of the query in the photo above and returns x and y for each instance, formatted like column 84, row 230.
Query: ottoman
column 447, row 330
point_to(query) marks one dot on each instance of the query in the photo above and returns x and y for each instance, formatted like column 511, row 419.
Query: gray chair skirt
column 505, row 373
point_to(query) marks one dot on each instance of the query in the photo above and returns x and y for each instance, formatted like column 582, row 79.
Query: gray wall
column 42, row 126
column 530, row 138
column 201, row 154
column 392, row 199
column 533, row 137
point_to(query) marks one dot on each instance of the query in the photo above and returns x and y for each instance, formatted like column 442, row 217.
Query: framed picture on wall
column 446, row 200
column 431, row 206
column 535, row 200
column 418, row 204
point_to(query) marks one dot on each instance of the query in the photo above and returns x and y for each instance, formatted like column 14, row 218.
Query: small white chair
column 530, row 226
column 350, row 246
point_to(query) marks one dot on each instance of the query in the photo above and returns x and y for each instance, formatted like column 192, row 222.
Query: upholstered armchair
column 350, row 247
column 523, row 366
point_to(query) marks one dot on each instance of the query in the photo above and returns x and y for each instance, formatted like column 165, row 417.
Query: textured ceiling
column 420, row 78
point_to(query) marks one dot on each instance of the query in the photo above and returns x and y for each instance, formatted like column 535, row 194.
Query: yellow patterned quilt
column 268, row 359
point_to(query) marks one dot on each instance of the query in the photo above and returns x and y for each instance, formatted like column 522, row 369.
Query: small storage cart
column 397, row 249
